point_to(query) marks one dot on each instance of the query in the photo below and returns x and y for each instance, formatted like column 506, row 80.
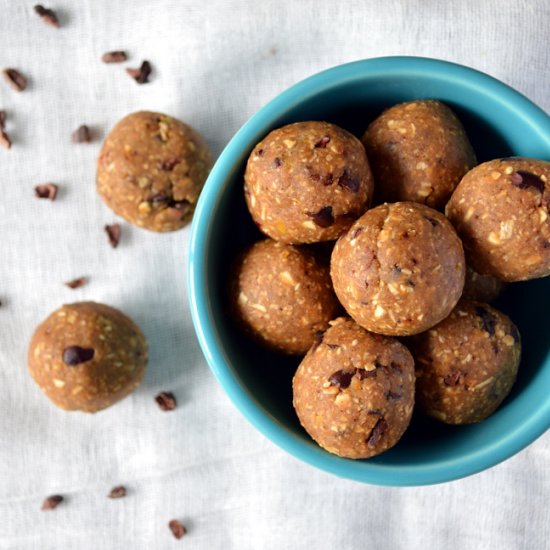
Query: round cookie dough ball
column 418, row 152
column 467, row 364
column 354, row 391
column 399, row 270
column 307, row 182
column 483, row 288
column 282, row 295
column 87, row 356
column 151, row 170
column 500, row 210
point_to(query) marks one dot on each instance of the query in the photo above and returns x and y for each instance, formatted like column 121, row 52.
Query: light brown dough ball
column 282, row 295
column 482, row 288
column 354, row 391
column 87, row 356
column 467, row 364
column 151, row 170
column 418, row 152
column 307, row 182
column 399, row 269
column 500, row 210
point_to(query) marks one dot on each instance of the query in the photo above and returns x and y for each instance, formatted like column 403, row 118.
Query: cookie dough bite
column 87, row 356
column 151, row 170
column 399, row 269
column 418, row 152
column 354, row 391
column 281, row 295
column 500, row 210
column 467, row 364
column 307, row 182
column 483, row 288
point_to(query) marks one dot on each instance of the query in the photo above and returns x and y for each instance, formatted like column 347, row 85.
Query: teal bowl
column 500, row 122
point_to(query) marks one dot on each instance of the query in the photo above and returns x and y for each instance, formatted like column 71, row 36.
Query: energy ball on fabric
column 282, row 295
column 483, row 288
column 151, row 170
column 399, row 269
column 418, row 152
column 87, row 356
column 500, row 210
column 307, row 182
column 354, row 391
column 467, row 364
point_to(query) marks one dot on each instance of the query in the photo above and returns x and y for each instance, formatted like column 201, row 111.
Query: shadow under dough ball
column 500, row 210
column 399, row 269
column 307, row 182
column 467, row 364
column 281, row 295
column 418, row 152
column 354, row 391
column 87, row 356
column 483, row 288
column 151, row 170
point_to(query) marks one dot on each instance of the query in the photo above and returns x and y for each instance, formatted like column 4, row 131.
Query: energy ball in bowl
column 418, row 152
column 399, row 269
column 307, row 182
column 500, row 210
column 467, row 364
column 483, row 288
column 282, row 295
column 151, row 170
column 87, row 356
column 354, row 391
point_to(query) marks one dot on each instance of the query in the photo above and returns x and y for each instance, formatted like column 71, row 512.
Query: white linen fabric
column 215, row 63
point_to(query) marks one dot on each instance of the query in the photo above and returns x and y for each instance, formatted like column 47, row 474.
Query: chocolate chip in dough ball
column 151, row 170
column 500, row 210
column 307, row 182
column 418, row 152
column 399, row 269
column 467, row 364
column 354, row 391
column 87, row 356
column 282, row 295
column 483, row 288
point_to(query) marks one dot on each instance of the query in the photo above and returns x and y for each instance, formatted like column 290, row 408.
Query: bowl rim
column 380, row 474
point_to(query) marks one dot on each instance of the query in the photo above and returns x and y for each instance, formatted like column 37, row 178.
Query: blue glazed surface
column 500, row 122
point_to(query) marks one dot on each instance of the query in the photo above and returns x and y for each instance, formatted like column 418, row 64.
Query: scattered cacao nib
column 396, row 269
column 362, row 373
column 260, row 152
column 323, row 218
column 2, row 119
column 81, row 135
column 113, row 233
column 341, row 378
column 76, row 283
column 523, row 180
column 15, row 79
column 514, row 332
column 396, row 367
column 377, row 432
column 453, row 378
column 47, row 15
column 488, row 321
column 52, row 502
column 166, row 401
column 394, row 395
column 46, row 191
column 141, row 75
column 434, row 223
column 117, row 492
column 116, row 56
column 277, row 162
column 74, row 355
column 317, row 339
column 158, row 199
column 322, row 143
column 167, row 165
column 332, row 346
column 5, row 139
column 328, row 180
column 177, row 528
column 356, row 233
column 349, row 182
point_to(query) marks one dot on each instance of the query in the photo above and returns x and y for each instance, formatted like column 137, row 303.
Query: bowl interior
column 499, row 123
